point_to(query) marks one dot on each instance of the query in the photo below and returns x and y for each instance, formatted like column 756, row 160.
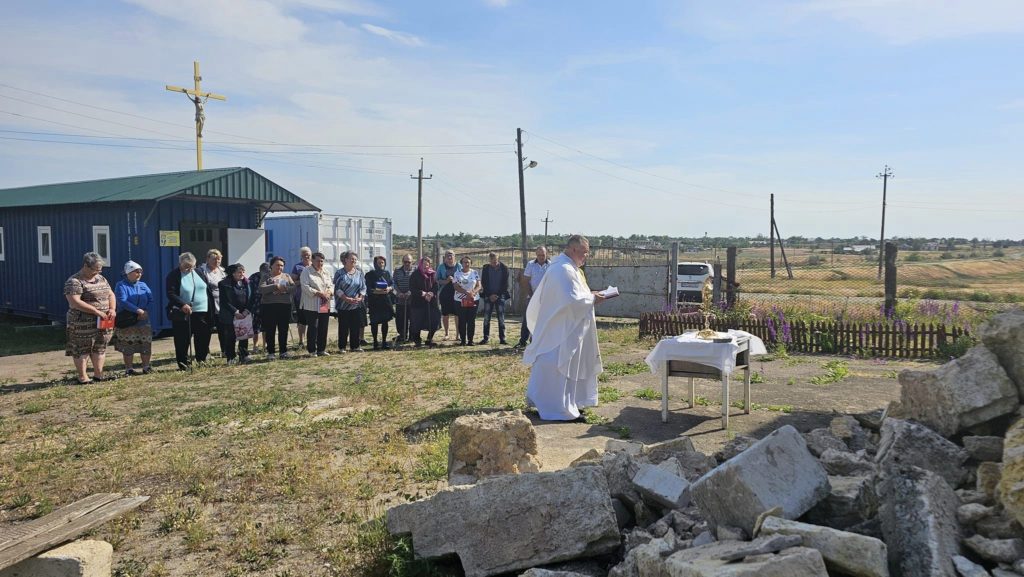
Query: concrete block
column 848, row 553
column 918, row 515
column 491, row 444
column 847, row 429
column 820, row 440
column 851, row 500
column 1003, row 334
column 964, row 392
column 967, row 568
column 706, row 561
column 662, row 487
column 996, row 550
column 909, row 443
column 986, row 448
column 84, row 558
column 776, row 471
column 513, row 522
column 1011, row 482
column 846, row 464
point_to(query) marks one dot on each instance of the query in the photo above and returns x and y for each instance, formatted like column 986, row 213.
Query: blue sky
column 673, row 118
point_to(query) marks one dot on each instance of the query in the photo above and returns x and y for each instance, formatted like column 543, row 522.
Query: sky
column 674, row 118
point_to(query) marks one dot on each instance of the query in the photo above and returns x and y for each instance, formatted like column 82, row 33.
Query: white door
column 246, row 246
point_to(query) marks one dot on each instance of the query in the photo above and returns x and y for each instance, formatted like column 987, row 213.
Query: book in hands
column 104, row 323
column 610, row 292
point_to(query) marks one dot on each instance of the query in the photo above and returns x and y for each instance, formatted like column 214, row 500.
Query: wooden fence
column 866, row 339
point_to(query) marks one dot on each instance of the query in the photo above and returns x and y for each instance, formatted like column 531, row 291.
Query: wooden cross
column 198, row 98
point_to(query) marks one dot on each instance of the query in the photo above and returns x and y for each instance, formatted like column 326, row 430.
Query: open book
column 609, row 292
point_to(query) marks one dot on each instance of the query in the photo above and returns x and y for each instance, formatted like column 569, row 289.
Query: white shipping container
column 331, row 234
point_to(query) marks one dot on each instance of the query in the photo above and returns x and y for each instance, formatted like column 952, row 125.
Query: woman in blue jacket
column 134, row 296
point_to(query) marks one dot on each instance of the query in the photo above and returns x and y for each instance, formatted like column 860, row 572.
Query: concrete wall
column 641, row 288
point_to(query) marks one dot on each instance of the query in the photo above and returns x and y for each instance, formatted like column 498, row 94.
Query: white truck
column 331, row 234
column 690, row 278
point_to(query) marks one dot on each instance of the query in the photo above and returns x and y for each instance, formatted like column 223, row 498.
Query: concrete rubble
column 962, row 393
column 931, row 486
column 513, row 522
column 776, row 471
column 81, row 558
column 491, row 444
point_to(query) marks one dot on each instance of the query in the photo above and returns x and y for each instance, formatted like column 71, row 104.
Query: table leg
column 693, row 395
column 664, row 392
column 725, row 401
column 746, row 390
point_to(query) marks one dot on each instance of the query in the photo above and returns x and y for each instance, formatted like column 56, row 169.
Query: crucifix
column 198, row 98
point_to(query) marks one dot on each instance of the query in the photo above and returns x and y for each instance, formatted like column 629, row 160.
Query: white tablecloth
column 690, row 348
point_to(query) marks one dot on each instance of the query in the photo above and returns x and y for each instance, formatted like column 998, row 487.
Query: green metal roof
column 239, row 184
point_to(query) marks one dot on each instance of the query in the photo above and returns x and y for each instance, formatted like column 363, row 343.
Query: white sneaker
column 232, row 362
column 271, row 356
column 286, row 355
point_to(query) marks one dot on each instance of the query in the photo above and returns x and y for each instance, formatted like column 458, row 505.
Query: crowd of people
column 203, row 299
column 563, row 350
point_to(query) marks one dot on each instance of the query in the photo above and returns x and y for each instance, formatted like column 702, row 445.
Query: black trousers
column 350, row 328
column 467, row 323
column 276, row 317
column 402, row 321
column 316, row 331
column 228, row 340
column 196, row 330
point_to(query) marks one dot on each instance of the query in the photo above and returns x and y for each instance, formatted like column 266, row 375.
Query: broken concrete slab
column 778, row 470
column 908, row 443
column 871, row 420
column 987, row 478
column 969, row 514
column 489, row 444
column 591, row 457
column 820, row 440
column 962, row 393
column 1011, row 483
column 658, row 452
column 82, row 558
column 918, row 516
column 848, row 553
column 967, row 568
column 1003, row 334
column 621, row 446
column 513, row 522
column 847, row 429
column 999, row 526
column 846, row 464
column 996, row 550
column 851, row 500
column 538, row 572
column 706, row 561
column 662, row 487
column 984, row 448
column 734, row 447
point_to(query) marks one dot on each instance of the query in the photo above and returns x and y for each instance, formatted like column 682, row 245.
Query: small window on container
column 101, row 242
column 45, row 244
column 2, row 243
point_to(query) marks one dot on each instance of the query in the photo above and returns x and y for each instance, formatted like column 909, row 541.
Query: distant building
column 151, row 219
column 858, row 248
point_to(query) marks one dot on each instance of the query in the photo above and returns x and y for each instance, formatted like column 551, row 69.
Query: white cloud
column 357, row 7
column 394, row 35
column 256, row 22
column 907, row 21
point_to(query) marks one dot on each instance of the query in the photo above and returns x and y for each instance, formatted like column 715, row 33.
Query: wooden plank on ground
column 65, row 524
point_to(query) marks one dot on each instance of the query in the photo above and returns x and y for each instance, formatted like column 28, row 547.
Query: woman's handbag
column 468, row 302
column 125, row 319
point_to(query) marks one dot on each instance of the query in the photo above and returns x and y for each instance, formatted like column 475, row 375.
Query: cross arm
column 191, row 92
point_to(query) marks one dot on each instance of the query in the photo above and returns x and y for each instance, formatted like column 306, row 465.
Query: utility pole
column 771, row 235
column 885, row 175
column 546, row 220
column 198, row 98
column 522, row 193
column 419, row 208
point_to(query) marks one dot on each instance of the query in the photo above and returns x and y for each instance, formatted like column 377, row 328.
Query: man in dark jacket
column 494, row 293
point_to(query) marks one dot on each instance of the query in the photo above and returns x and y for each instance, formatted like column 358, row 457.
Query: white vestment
column 564, row 354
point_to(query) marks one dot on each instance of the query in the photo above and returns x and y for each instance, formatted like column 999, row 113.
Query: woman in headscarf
column 91, row 301
column 423, row 305
column 380, row 300
column 134, row 297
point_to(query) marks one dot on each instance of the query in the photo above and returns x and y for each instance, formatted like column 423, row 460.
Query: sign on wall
column 170, row 238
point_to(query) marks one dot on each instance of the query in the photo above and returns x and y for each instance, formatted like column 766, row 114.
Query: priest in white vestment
column 564, row 353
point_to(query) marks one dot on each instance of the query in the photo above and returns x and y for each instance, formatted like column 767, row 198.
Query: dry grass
column 246, row 477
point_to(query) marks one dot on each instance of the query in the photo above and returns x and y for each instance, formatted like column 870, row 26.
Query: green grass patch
column 835, row 371
column 432, row 462
column 591, row 417
column 648, row 394
column 623, row 369
column 608, row 394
